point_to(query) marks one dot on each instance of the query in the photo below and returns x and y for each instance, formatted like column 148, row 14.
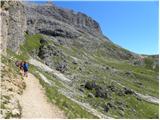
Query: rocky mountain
column 37, row 14
column 81, row 70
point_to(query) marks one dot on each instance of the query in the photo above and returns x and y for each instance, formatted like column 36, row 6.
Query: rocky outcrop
column 75, row 28
column 12, row 86
column 4, row 26
column 13, row 25
column 36, row 19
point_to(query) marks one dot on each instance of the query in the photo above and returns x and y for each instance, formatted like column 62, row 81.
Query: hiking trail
column 34, row 102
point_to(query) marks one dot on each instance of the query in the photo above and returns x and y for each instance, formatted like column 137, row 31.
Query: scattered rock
column 112, row 88
column 101, row 93
column 120, row 92
column 107, row 68
column 111, row 105
column 130, row 74
column 121, row 108
column 106, row 108
column 86, row 62
column 133, row 110
column 90, row 85
column 62, row 66
column 90, row 95
column 128, row 91
column 138, row 98
column 43, row 41
column 82, row 85
column 16, row 112
column 80, row 69
column 9, row 106
column 75, row 62
column 80, row 89
column 61, row 42
column 139, row 83
column 10, row 89
column 121, row 113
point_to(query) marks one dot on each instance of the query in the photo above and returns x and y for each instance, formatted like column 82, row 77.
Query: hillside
column 82, row 71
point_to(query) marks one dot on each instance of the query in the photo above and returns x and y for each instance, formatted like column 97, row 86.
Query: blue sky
column 132, row 25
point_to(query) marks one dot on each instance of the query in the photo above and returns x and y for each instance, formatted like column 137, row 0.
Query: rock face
column 68, row 27
column 12, row 86
column 13, row 25
column 36, row 21
column 4, row 26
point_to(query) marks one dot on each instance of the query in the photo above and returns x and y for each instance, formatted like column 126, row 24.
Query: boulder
column 121, row 113
column 101, row 93
column 111, row 104
column 43, row 41
column 75, row 61
column 61, row 42
column 80, row 89
column 90, row 95
column 128, row 91
column 16, row 112
column 120, row 93
column 62, row 66
column 111, row 88
column 106, row 108
column 90, row 85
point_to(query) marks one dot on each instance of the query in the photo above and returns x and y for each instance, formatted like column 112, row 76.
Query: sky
column 131, row 24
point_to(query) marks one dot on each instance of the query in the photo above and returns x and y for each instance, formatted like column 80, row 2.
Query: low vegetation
column 82, row 67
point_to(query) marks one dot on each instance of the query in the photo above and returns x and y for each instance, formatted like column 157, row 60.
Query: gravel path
column 34, row 102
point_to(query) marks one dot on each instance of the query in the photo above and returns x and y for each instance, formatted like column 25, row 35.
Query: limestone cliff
column 39, row 16
column 13, row 25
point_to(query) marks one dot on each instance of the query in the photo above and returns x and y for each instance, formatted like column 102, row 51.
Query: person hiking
column 19, row 64
column 25, row 68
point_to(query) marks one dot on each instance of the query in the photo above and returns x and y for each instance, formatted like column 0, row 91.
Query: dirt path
column 34, row 102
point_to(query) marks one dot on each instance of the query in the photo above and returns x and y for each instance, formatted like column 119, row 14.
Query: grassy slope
column 91, row 71
column 142, row 74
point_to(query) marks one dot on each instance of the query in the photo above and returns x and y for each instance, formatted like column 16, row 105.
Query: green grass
column 71, row 109
column 142, row 109
column 21, row 56
column 32, row 42
column 11, row 64
column 125, row 66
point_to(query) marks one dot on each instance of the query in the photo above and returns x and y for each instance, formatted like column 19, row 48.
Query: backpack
column 25, row 66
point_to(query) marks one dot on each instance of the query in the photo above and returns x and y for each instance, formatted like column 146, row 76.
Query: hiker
column 25, row 68
column 19, row 64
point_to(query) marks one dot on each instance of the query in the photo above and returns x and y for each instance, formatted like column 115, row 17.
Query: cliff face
column 36, row 14
column 13, row 26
